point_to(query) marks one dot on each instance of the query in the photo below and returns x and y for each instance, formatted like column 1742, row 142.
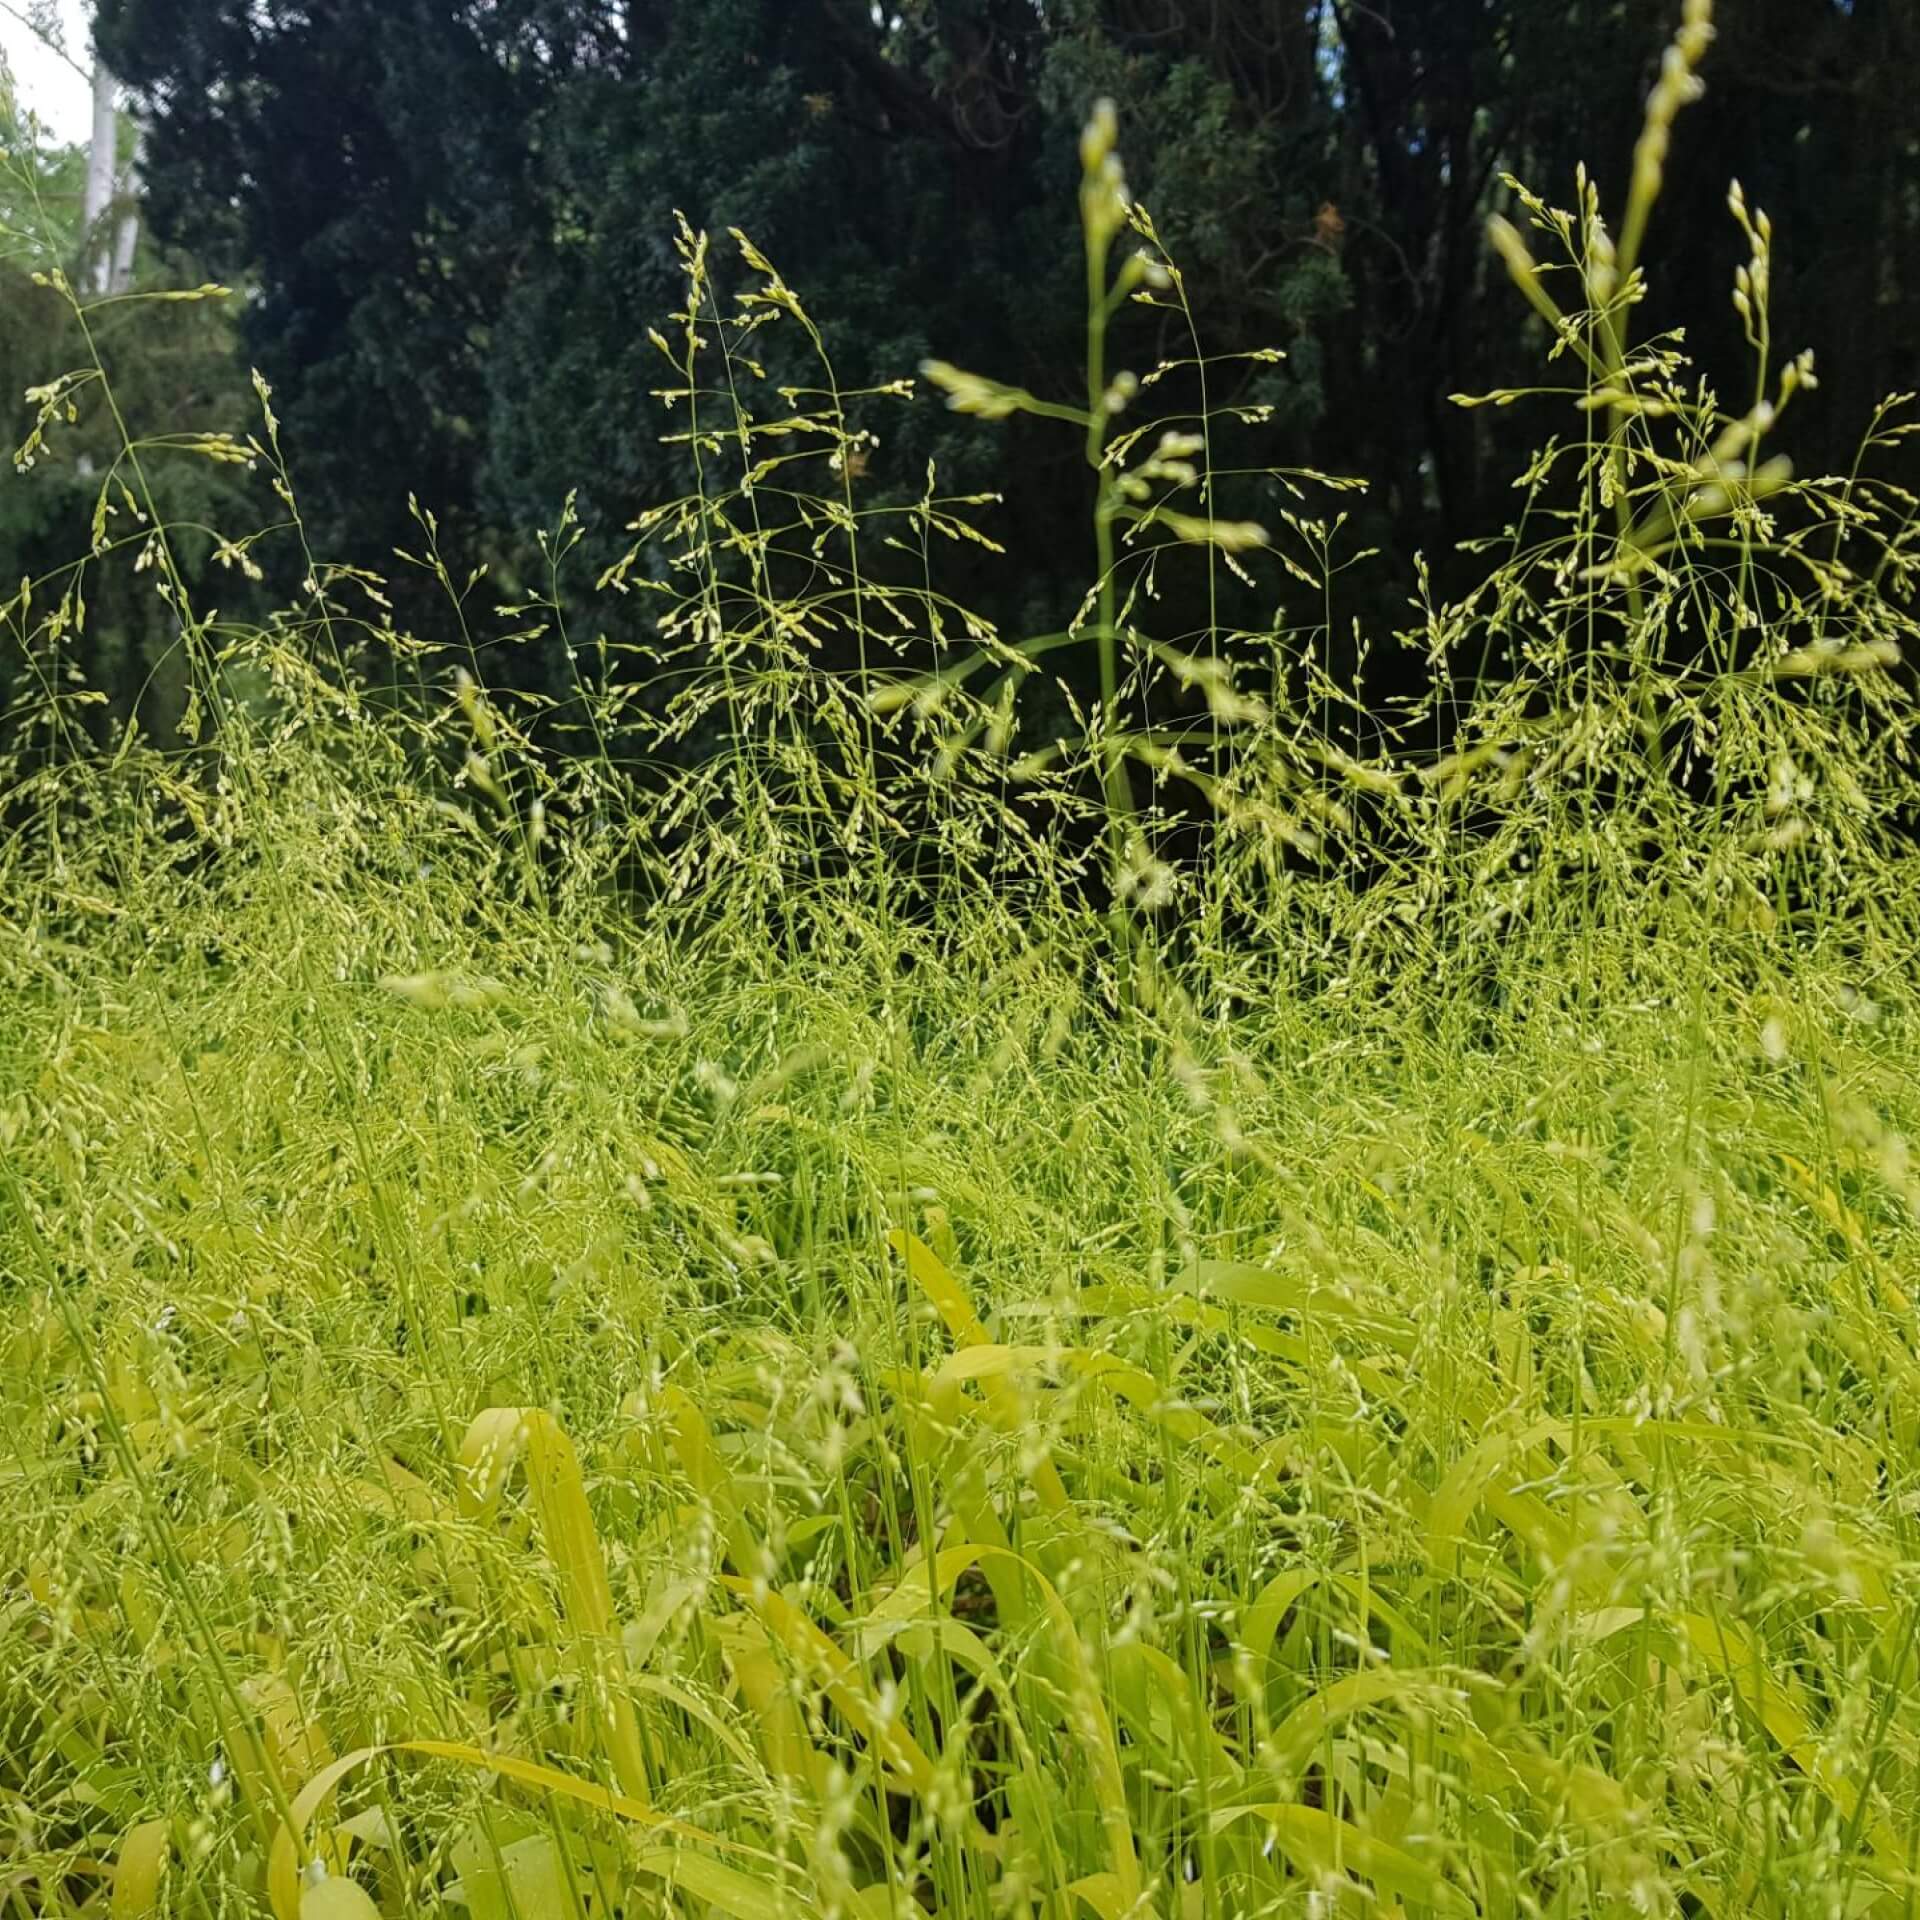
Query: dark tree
column 457, row 216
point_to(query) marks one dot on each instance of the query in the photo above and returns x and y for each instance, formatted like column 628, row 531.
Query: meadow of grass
column 885, row 1325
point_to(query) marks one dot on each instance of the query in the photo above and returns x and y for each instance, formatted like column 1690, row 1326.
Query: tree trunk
column 126, row 232
column 102, row 155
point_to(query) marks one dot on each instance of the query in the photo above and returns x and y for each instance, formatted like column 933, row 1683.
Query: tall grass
column 802, row 1310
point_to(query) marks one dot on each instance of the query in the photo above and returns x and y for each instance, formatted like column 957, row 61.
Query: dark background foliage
column 454, row 222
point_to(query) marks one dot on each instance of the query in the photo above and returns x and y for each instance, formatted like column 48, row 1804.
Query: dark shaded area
column 459, row 219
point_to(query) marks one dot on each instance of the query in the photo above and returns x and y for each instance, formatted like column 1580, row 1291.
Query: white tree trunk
column 101, row 157
column 126, row 235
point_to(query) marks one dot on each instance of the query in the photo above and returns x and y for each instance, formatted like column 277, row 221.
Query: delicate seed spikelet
column 1231, row 536
column 972, row 392
column 1867, row 657
column 435, row 991
column 1098, row 136
column 481, row 774
column 474, row 707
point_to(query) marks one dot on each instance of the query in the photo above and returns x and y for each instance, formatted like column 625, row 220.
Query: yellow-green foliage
column 576, row 1345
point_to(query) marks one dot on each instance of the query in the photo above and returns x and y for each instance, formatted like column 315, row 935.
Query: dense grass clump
column 771, row 1293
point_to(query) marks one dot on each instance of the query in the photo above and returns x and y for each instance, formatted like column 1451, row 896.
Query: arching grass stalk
column 1103, row 216
column 1103, row 213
